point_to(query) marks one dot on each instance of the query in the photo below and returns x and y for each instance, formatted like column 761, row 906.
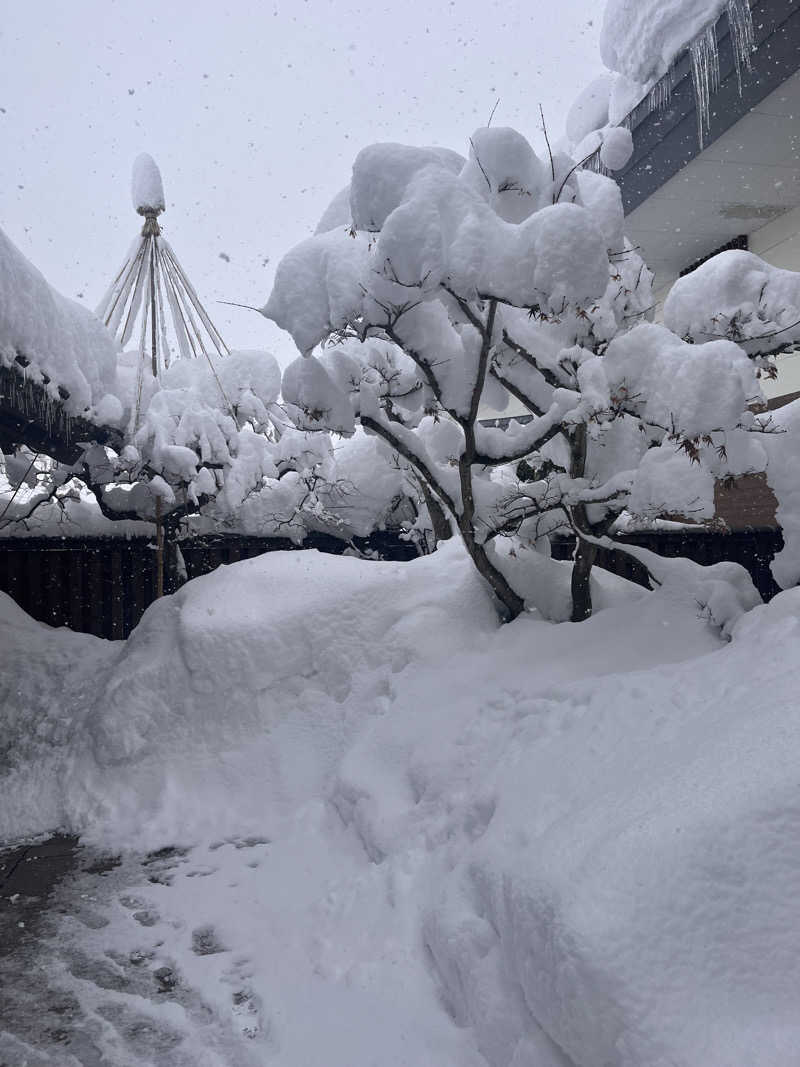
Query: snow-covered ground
column 403, row 834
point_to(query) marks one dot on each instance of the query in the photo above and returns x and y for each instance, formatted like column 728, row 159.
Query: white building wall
column 778, row 243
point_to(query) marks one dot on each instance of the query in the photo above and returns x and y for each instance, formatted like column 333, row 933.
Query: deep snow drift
column 466, row 842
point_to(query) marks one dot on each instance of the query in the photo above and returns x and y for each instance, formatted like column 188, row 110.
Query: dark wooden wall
column 102, row 586
column 753, row 549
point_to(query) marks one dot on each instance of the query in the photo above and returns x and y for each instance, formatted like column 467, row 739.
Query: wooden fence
column 102, row 586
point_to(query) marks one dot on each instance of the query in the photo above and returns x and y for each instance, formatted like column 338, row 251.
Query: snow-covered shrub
column 512, row 275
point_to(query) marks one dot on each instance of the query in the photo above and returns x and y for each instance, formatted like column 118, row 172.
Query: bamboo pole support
column 159, row 551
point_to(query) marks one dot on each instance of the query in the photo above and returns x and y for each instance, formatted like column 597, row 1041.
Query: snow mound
column 658, row 880
column 582, row 838
column 147, row 190
column 251, row 657
column 57, row 342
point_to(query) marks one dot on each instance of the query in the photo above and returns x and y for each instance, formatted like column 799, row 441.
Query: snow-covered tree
column 457, row 283
column 206, row 444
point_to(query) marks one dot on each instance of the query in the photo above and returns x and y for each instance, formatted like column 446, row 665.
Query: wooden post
column 159, row 551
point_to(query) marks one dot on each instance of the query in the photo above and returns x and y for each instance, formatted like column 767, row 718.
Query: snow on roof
column 640, row 41
column 641, row 38
column 59, row 344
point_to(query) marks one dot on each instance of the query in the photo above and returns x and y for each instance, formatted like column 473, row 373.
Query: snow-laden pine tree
column 441, row 286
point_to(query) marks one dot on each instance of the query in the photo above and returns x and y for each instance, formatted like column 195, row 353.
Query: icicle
column 740, row 20
column 660, row 95
column 705, row 77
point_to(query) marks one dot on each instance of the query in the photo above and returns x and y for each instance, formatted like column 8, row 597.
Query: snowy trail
column 90, row 982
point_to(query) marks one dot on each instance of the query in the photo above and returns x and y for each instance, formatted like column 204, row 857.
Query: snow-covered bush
column 450, row 290
column 206, row 443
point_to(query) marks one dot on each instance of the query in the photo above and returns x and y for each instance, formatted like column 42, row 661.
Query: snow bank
column 557, row 845
column 658, row 879
column 48, row 681
column 230, row 662
column 60, row 344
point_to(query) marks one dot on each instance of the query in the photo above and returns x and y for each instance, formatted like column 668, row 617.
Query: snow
column 589, row 110
column 617, row 147
column 411, row 835
column 507, row 173
column 147, row 190
column 381, row 175
column 690, row 388
column 736, row 294
column 62, row 344
column 318, row 287
column 337, row 213
column 441, row 230
column 640, row 38
column 320, row 403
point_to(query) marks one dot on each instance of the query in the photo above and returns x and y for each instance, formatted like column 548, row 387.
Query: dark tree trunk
column 511, row 604
column 442, row 530
column 585, row 554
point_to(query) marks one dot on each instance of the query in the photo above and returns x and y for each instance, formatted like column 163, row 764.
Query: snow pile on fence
column 477, row 841
column 55, row 342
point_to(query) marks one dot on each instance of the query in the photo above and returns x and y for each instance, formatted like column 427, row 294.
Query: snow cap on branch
column 318, row 287
column 688, row 389
column 505, row 171
column 738, row 295
column 320, row 402
column 381, row 175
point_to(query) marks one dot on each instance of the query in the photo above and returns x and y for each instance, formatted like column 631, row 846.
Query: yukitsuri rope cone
column 152, row 299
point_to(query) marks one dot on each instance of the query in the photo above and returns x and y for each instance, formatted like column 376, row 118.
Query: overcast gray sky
column 254, row 112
